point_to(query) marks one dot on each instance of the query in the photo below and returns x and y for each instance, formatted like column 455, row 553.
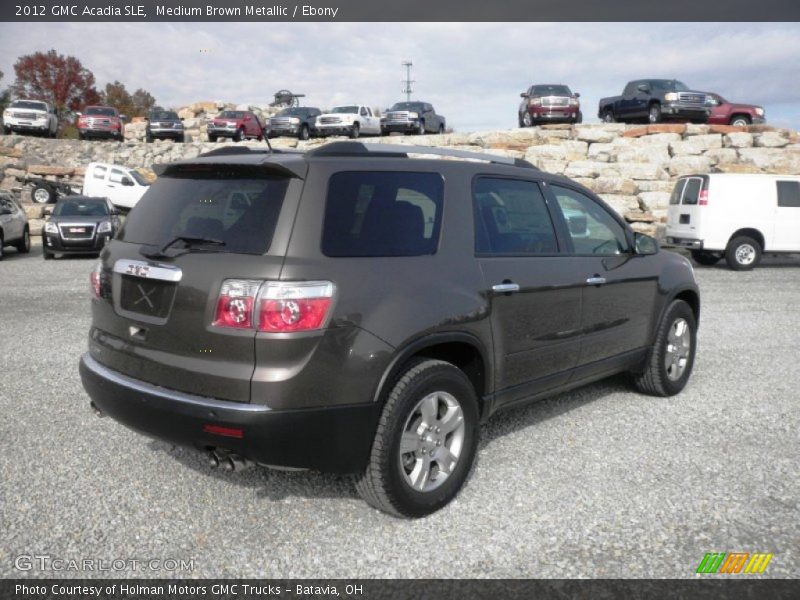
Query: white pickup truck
column 30, row 116
column 352, row 120
column 121, row 185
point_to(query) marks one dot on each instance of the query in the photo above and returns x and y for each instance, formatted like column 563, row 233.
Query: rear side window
column 511, row 218
column 691, row 193
column 99, row 172
column 237, row 206
column 677, row 192
column 789, row 194
column 377, row 213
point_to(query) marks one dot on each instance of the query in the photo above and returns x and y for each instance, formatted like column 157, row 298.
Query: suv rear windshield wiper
column 188, row 240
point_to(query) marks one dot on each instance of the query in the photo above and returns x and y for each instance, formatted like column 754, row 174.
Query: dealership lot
column 599, row 482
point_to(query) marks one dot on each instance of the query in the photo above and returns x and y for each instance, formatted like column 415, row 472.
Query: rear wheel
column 743, row 253
column 671, row 358
column 24, row 244
column 425, row 442
column 705, row 258
column 43, row 194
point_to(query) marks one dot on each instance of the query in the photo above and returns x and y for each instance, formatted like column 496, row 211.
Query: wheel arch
column 749, row 232
column 463, row 350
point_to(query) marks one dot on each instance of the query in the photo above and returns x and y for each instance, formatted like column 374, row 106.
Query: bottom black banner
column 417, row 589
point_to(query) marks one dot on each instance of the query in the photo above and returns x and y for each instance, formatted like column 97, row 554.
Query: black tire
column 608, row 117
column 303, row 134
column 421, row 128
column 384, row 482
column 740, row 120
column 24, row 244
column 656, row 379
column 743, row 253
column 239, row 137
column 527, row 120
column 2, row 247
column 121, row 137
column 355, row 131
column 654, row 113
column 43, row 194
column 81, row 136
column 212, row 138
column 148, row 137
column 441, row 129
column 579, row 118
column 181, row 139
column 47, row 255
column 705, row 258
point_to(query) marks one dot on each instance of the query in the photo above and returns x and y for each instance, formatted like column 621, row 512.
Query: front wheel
column 671, row 358
column 303, row 133
column 527, row 120
column 654, row 114
column 608, row 117
column 425, row 442
column 239, row 137
column 421, row 128
column 740, row 121
column 743, row 253
column 24, row 244
column 355, row 132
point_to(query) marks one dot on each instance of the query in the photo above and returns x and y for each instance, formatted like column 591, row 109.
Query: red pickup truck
column 727, row 113
column 238, row 125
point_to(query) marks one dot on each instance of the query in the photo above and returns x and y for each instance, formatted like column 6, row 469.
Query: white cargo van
column 737, row 216
column 121, row 185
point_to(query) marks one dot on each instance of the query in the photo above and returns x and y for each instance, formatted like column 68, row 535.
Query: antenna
column 408, row 81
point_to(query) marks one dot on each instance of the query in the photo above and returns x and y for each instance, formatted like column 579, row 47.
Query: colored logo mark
column 734, row 562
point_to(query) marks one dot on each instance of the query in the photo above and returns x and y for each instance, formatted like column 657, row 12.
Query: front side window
column 377, row 213
column 511, row 217
column 116, row 176
column 591, row 227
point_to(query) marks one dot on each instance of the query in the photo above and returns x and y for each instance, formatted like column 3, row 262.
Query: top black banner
column 402, row 10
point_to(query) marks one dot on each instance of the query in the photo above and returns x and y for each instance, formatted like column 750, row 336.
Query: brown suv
column 354, row 310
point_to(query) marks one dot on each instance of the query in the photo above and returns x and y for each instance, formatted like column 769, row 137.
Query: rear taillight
column 702, row 199
column 294, row 306
column 279, row 307
column 235, row 303
column 94, row 278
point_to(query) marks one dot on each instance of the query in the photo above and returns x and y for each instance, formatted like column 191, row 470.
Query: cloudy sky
column 471, row 72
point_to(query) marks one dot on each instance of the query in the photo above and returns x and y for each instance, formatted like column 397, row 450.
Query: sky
column 471, row 72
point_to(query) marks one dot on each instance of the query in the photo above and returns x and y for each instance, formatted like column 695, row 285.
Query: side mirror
column 48, row 210
column 182, row 119
column 523, row 95
column 79, row 114
column 123, row 117
column 577, row 94
column 115, row 212
column 644, row 244
column 127, row 181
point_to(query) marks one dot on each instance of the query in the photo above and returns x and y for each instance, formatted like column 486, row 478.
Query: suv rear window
column 237, row 206
column 376, row 213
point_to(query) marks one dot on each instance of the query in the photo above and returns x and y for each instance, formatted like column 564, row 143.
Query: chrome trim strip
column 138, row 268
column 154, row 390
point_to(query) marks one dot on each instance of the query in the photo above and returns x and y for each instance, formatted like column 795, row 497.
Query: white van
column 121, row 185
column 737, row 216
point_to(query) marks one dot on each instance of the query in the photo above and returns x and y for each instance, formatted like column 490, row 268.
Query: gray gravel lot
column 599, row 482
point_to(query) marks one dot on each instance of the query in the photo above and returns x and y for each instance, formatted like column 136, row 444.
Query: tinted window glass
column 691, row 192
column 116, row 176
column 591, row 227
column 511, row 218
column 677, row 191
column 382, row 214
column 238, row 206
column 81, row 207
column 550, row 90
column 789, row 194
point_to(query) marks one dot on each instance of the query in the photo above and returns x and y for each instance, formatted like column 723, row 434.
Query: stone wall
column 632, row 167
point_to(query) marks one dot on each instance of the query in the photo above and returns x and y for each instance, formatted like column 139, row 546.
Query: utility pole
column 408, row 81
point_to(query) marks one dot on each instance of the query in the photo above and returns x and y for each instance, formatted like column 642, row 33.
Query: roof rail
column 402, row 151
column 225, row 150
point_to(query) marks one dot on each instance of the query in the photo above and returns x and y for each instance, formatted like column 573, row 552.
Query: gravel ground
column 599, row 482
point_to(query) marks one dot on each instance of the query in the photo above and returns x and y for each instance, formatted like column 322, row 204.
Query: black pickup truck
column 412, row 118
column 655, row 100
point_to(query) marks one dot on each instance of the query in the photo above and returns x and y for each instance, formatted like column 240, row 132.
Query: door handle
column 505, row 288
column 595, row 280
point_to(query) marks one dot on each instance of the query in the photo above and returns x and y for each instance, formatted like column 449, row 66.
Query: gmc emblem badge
column 138, row 270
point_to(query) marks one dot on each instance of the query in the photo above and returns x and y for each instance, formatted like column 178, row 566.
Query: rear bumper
column 690, row 243
column 336, row 439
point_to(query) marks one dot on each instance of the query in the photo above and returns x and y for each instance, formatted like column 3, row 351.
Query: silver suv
column 14, row 229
